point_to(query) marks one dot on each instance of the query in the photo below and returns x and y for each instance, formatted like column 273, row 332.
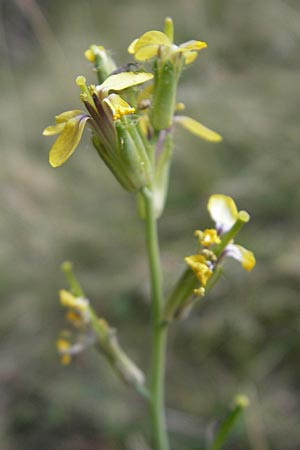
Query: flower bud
column 104, row 64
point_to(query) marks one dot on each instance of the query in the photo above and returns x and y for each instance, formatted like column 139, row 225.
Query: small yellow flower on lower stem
column 241, row 254
column 75, row 318
column 208, row 237
column 63, row 345
column 218, row 243
column 199, row 265
column 68, row 300
column 225, row 214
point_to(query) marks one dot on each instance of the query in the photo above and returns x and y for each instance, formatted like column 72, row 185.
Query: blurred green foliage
column 245, row 336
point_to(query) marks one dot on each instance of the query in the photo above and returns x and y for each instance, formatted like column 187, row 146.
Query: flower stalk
column 241, row 402
column 159, row 332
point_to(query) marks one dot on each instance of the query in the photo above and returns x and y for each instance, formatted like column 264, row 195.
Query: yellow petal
column 189, row 57
column 241, row 254
column 198, row 264
column 146, row 52
column 63, row 346
column 132, row 47
column 208, row 237
column 60, row 121
column 123, row 80
column 67, row 141
column 152, row 39
column 198, row 129
column 66, row 298
column 67, row 115
column 223, row 211
column 193, row 45
column 53, row 129
column 190, row 49
column 118, row 106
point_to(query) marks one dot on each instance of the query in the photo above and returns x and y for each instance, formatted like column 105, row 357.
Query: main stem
column 159, row 332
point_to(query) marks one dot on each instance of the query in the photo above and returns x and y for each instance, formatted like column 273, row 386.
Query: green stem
column 76, row 289
column 242, row 402
column 182, row 291
column 159, row 332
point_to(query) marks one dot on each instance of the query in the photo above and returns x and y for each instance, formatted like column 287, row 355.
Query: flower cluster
column 92, row 330
column 112, row 135
column 78, row 314
column 205, row 267
column 131, row 113
column 216, row 243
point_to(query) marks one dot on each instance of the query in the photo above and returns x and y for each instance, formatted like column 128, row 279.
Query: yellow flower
column 225, row 214
column 200, row 266
column 75, row 318
column 69, row 125
column 104, row 107
column 93, row 51
column 241, row 254
column 208, row 237
column 218, row 243
column 154, row 43
column 103, row 62
column 118, row 106
column 167, row 69
column 63, row 346
column 68, row 300
column 78, row 309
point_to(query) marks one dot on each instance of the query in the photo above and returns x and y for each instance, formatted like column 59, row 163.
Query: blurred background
column 245, row 336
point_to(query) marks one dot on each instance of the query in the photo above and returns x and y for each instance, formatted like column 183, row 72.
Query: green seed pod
column 132, row 157
column 164, row 94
